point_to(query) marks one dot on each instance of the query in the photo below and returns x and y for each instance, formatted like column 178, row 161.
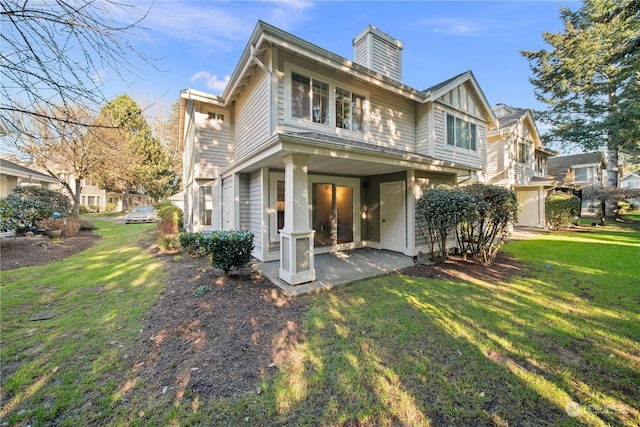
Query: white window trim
column 331, row 127
column 446, row 133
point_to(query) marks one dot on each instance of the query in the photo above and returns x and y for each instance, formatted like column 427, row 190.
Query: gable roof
column 630, row 176
column 559, row 166
column 467, row 78
column 266, row 35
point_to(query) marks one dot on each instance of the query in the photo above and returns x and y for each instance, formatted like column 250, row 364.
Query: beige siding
column 213, row 141
column 495, row 158
column 425, row 181
column 255, row 210
column 244, row 207
column 391, row 119
column 458, row 155
column 252, row 116
column 228, row 205
column 422, row 128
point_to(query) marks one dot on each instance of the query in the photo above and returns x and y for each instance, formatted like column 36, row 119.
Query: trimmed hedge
column 228, row 249
column 561, row 210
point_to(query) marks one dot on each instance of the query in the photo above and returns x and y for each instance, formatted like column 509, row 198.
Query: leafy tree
column 611, row 195
column 438, row 213
column 132, row 157
column 57, row 52
column 590, row 79
column 487, row 222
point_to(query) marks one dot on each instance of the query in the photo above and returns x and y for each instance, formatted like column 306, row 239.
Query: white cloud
column 453, row 27
column 212, row 81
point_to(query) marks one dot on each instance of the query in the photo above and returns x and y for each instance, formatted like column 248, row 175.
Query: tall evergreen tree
column 590, row 79
column 132, row 156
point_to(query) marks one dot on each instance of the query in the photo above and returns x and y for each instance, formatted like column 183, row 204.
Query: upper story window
column 309, row 99
column 319, row 102
column 522, row 151
column 583, row 174
column 461, row 133
column 349, row 110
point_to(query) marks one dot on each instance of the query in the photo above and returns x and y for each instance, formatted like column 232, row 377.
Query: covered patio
column 339, row 268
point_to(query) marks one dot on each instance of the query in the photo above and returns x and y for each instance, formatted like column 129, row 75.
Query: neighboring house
column 177, row 200
column 579, row 171
column 631, row 180
column 13, row 175
column 314, row 152
column 517, row 160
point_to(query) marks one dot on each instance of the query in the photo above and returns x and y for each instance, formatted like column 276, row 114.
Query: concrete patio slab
column 339, row 268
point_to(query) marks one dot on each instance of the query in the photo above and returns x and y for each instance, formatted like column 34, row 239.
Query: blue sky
column 197, row 44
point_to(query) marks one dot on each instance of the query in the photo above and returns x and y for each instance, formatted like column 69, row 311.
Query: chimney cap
column 370, row 29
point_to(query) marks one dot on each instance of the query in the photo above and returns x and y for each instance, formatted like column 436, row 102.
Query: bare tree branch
column 55, row 53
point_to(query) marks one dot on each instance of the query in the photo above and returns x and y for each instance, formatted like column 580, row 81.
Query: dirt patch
column 16, row 252
column 211, row 335
column 503, row 268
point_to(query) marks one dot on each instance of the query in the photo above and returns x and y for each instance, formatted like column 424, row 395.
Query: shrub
column 70, row 226
column 8, row 221
column 561, row 210
column 438, row 213
column 169, row 218
column 229, row 249
column 87, row 224
column 169, row 242
column 192, row 243
column 31, row 204
column 485, row 226
column 110, row 207
column 50, row 224
column 95, row 208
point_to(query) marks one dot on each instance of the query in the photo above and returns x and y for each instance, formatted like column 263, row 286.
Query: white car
column 140, row 214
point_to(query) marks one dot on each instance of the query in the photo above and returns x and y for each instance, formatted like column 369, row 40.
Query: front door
column 392, row 216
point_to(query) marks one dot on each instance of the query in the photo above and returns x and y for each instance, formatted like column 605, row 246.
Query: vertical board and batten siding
column 243, row 205
column 425, row 181
column 213, row 141
column 255, row 211
column 252, row 116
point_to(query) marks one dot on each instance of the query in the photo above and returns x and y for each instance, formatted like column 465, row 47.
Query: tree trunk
column 77, row 195
column 612, row 167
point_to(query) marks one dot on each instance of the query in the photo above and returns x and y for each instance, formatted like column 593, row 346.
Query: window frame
column 473, row 132
column 329, row 124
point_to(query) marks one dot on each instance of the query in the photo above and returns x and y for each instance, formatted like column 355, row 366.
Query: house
column 631, row 180
column 517, row 160
column 578, row 171
column 13, row 175
column 314, row 152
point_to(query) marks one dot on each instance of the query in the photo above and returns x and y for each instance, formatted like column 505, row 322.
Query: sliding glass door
column 332, row 214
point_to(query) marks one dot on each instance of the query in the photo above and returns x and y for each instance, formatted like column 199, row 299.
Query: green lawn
column 99, row 297
column 559, row 345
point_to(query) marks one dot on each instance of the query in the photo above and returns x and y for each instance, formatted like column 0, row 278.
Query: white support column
column 296, row 238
